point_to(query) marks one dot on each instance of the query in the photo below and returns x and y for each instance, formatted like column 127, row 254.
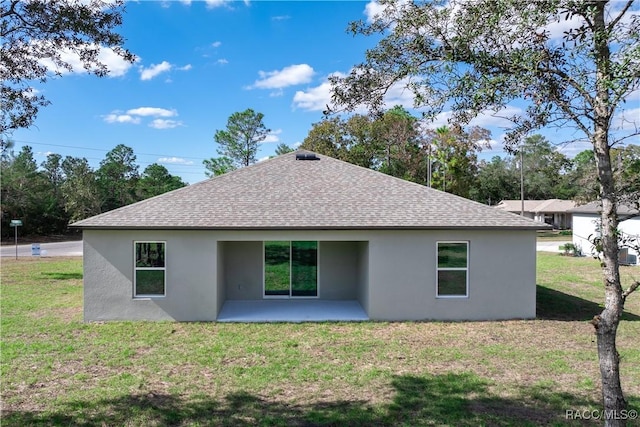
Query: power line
column 102, row 149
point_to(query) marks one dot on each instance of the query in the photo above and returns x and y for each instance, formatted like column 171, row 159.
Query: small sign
column 35, row 249
column 16, row 223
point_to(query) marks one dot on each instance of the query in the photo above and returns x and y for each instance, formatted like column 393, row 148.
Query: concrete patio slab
column 292, row 310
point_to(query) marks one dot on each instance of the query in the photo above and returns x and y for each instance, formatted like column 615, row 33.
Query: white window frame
column 136, row 269
column 465, row 269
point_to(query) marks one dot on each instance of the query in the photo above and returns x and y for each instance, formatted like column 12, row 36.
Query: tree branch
column 613, row 23
column 634, row 286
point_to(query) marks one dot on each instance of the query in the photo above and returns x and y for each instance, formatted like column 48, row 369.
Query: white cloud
column 626, row 120
column 262, row 159
column 273, row 136
column 319, row 97
column 152, row 111
column 373, row 9
column 116, row 66
column 165, row 124
column 216, row 44
column 154, row 70
column 222, row 61
column 134, row 116
column 185, row 68
column 115, row 117
column 280, row 18
column 315, row 98
column 212, row 4
column 497, row 118
column 174, row 161
column 288, row 76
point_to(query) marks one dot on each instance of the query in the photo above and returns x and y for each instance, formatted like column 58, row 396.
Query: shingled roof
column 285, row 193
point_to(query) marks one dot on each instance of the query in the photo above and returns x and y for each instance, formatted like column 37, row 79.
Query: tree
column 239, row 142
column 453, row 152
column 218, row 166
column 37, row 32
column 80, row 190
column 545, row 170
column 584, row 175
column 25, row 193
column 117, row 177
column 397, row 134
column 496, row 180
column 326, row 137
column 55, row 213
column 283, row 148
column 156, row 180
column 480, row 56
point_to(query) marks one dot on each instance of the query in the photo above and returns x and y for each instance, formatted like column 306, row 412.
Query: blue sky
column 199, row 62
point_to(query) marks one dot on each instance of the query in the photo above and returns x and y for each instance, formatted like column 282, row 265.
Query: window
column 150, row 269
column 290, row 269
column 453, row 269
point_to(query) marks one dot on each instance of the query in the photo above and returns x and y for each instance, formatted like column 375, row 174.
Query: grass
column 57, row 370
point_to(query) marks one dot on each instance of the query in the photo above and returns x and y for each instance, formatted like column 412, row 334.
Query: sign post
column 15, row 223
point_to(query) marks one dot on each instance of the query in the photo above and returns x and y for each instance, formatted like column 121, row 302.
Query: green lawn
column 56, row 370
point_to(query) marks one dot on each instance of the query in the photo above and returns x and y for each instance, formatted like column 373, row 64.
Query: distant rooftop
column 536, row 206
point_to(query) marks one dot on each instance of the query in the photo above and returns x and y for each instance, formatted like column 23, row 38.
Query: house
column 310, row 233
column 555, row 212
column 586, row 224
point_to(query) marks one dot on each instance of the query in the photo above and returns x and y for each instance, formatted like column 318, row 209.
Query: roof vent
column 306, row 156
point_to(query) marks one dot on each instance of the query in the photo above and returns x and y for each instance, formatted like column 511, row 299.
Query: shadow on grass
column 62, row 276
column 556, row 305
column 448, row 399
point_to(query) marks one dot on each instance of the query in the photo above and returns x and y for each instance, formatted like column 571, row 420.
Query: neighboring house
column 586, row 227
column 305, row 230
column 554, row 212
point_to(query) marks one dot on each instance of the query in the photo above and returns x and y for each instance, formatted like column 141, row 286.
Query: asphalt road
column 73, row 248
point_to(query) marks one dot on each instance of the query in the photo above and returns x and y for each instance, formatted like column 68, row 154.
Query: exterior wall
column 220, row 273
column 391, row 273
column 502, row 276
column 338, row 270
column 363, row 276
column 243, row 270
column 584, row 225
column 190, row 276
column 631, row 227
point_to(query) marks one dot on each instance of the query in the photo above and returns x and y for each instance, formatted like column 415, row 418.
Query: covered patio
column 292, row 310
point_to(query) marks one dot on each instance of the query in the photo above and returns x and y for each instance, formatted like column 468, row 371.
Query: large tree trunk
column 606, row 324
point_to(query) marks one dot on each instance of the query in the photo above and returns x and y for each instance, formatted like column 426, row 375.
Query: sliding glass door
column 290, row 269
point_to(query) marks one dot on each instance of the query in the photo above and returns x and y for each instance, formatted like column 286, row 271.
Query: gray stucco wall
column 220, row 272
column 243, row 270
column 391, row 273
column 363, row 275
column 502, row 276
column 190, row 276
column 339, row 270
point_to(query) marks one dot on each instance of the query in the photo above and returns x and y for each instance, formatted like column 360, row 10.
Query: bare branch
column 634, row 286
column 624, row 10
